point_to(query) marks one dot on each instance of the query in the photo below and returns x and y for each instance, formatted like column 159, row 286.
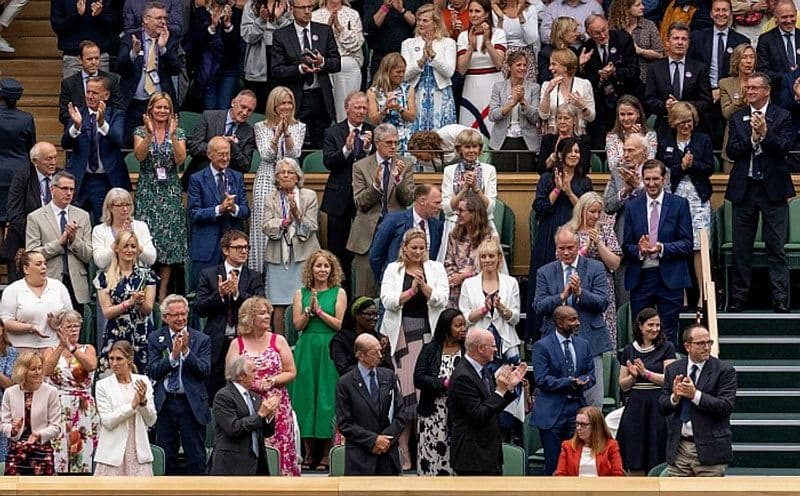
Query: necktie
column 567, row 274
column 720, row 54
column 47, row 194
column 65, row 256
column 487, row 379
column 385, row 186
column 655, row 216
column 686, row 404
column 230, row 128
column 568, row 363
column 309, row 78
column 358, row 143
column 221, row 186
column 374, row 391
column 94, row 161
column 757, row 174
column 231, row 318
column 790, row 56
column 253, row 436
column 149, row 67
column 174, row 381
column 603, row 55
column 676, row 80
column 422, row 226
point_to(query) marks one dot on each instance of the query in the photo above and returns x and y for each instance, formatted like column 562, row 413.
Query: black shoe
column 734, row 307
column 780, row 308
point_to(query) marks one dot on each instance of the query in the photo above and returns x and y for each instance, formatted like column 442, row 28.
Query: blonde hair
column 490, row 245
column 736, row 57
column 336, row 275
column 408, row 237
column 126, row 348
column 567, row 58
column 381, row 80
column 468, row 137
column 561, row 27
column 113, row 274
column 114, row 195
column 682, row 111
column 274, row 99
column 155, row 98
column 438, row 20
column 248, row 311
column 23, row 365
column 585, row 201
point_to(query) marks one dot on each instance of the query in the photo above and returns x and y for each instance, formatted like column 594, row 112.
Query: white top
column 522, row 35
column 443, row 64
column 351, row 38
column 103, row 238
column 587, row 466
column 488, row 186
column 480, row 58
column 20, row 303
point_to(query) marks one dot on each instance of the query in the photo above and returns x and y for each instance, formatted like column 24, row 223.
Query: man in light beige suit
column 63, row 233
column 381, row 184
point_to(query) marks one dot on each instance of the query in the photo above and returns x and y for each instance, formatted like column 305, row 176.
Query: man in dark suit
column 697, row 398
column 778, row 50
column 760, row 136
column 677, row 78
column 146, row 63
column 612, row 70
column 29, row 191
column 73, row 88
column 658, row 245
column 475, row 399
column 241, row 422
column 368, row 411
column 217, row 203
column 303, row 54
column 178, row 363
column 95, row 138
column 232, row 125
column 423, row 214
column 344, row 144
column 563, row 369
column 581, row 283
column 220, row 293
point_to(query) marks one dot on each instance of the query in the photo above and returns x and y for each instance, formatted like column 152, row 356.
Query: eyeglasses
column 582, row 425
column 710, row 342
column 177, row 314
column 64, row 188
column 122, row 205
column 239, row 247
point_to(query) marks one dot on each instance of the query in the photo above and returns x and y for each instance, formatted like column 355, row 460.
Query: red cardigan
column 608, row 462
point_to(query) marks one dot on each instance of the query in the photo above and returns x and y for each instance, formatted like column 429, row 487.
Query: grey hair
column 213, row 141
column 235, row 368
column 297, row 170
column 566, row 228
column 151, row 6
column 570, row 109
column 591, row 18
column 473, row 338
column 170, row 299
column 62, row 174
column 384, row 130
column 36, row 149
column 67, row 315
column 641, row 139
column 114, row 194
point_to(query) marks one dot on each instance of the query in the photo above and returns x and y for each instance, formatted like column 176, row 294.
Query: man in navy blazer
column 221, row 291
column 95, row 137
column 217, row 203
column 658, row 253
column 179, row 360
column 423, row 214
column 707, row 45
column 581, row 283
column 760, row 136
column 772, row 53
column 563, row 369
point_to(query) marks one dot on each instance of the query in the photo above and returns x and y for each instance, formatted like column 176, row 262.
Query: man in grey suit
column 233, row 126
column 241, row 422
column 368, row 411
column 579, row 282
column 63, row 234
column 381, row 184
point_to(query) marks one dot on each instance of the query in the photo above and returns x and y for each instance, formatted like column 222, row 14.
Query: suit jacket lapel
column 211, row 182
column 358, row 383
column 662, row 217
column 51, row 217
column 294, row 42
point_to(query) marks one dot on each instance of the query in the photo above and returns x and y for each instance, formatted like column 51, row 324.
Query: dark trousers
column 133, row 119
column 312, row 112
column 67, row 281
column 475, row 473
column 338, row 231
column 216, row 379
column 176, row 426
column 93, row 193
column 652, row 292
column 775, row 220
column 562, row 430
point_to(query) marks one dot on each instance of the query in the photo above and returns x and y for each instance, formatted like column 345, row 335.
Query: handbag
column 749, row 19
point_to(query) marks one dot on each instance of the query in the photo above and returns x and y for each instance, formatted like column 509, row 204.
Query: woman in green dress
column 160, row 147
column 317, row 310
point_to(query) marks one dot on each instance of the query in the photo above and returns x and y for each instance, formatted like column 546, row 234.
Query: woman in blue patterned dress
column 8, row 355
column 160, row 147
column 126, row 293
column 430, row 63
column 392, row 100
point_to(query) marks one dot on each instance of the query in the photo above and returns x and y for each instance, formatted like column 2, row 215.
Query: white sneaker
column 5, row 47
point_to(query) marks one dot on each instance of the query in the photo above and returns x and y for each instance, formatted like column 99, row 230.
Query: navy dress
column 642, row 433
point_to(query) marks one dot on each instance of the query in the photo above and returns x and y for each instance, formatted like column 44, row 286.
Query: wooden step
column 35, row 10
column 28, row 27
column 45, row 103
column 40, row 85
column 34, row 46
column 17, row 67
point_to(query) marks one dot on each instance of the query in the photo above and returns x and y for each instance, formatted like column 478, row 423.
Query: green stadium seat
column 793, row 244
column 313, row 162
column 505, row 223
column 336, row 457
column 188, row 120
column 289, row 330
column 158, row 460
column 132, row 163
column 513, row 460
column 209, row 441
column 255, row 118
column 533, row 447
column 610, row 382
column 273, row 461
column 624, row 326
column 255, row 162
column 597, row 163
column 659, row 470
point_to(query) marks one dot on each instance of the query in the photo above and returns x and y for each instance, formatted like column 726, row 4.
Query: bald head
column 480, row 345
column 634, row 150
column 368, row 350
column 566, row 320
column 219, row 153
column 44, row 157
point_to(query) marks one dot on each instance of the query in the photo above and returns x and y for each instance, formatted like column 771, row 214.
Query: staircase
column 765, row 350
column 37, row 65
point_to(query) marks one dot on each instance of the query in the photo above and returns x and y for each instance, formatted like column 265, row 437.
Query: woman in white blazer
column 29, row 432
column 414, row 292
column 126, row 408
column 430, row 63
column 565, row 87
column 490, row 300
column 118, row 215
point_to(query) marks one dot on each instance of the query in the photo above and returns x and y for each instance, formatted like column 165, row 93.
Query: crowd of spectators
column 386, row 89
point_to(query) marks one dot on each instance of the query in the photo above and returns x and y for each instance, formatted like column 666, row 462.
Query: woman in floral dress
column 274, row 369
column 392, row 100
column 69, row 368
column 160, row 147
column 126, row 294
